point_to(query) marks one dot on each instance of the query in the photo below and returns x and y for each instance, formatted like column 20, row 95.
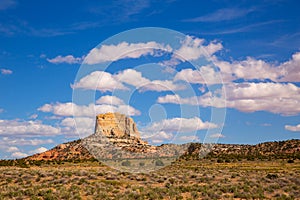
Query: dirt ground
column 197, row 179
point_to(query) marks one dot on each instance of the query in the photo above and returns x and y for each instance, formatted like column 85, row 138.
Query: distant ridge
column 265, row 150
column 277, row 149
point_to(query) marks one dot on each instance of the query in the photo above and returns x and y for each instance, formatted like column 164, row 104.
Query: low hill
column 266, row 150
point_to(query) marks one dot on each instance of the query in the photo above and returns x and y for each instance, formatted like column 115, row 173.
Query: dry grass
column 202, row 179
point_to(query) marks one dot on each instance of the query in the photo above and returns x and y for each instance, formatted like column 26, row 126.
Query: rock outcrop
column 116, row 125
column 117, row 129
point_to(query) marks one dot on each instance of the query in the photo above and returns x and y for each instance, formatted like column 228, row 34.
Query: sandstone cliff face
column 116, row 125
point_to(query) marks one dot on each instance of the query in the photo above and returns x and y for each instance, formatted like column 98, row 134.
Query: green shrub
column 272, row 176
column 126, row 163
column 159, row 163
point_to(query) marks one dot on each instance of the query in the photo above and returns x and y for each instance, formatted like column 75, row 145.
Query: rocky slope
column 67, row 151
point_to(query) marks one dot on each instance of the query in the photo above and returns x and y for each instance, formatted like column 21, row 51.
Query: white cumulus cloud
column 189, row 138
column 292, row 128
column 84, row 126
column 18, row 154
column 26, row 128
column 71, row 109
column 193, row 48
column 110, row 100
column 10, row 141
column 279, row 98
column 99, row 80
column 291, row 69
column 12, row 149
column 248, row 69
column 107, row 53
column 135, row 78
column 179, row 125
column 33, row 116
column 157, row 137
column 205, row 75
column 69, row 59
column 205, row 100
column 104, row 81
column 131, row 77
column 217, row 135
column 38, row 150
column 161, row 85
column 272, row 97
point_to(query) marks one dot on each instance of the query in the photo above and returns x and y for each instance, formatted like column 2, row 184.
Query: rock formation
column 116, row 125
column 117, row 129
column 116, row 137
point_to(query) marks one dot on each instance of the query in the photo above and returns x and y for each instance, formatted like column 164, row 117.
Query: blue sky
column 49, row 47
